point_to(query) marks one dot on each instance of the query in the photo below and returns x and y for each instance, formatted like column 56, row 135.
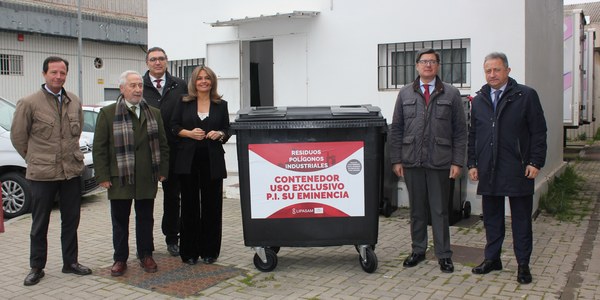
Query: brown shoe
column 118, row 268
column 148, row 264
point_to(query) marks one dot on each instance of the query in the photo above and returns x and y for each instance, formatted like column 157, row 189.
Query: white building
column 327, row 52
column 114, row 39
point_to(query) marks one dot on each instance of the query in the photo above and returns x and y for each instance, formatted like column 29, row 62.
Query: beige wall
column 35, row 48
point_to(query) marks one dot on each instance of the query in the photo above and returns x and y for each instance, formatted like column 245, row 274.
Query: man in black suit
column 163, row 91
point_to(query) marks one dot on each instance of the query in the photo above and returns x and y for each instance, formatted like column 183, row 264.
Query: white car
column 90, row 115
column 16, row 191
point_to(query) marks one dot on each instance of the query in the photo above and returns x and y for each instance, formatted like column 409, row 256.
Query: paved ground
column 565, row 261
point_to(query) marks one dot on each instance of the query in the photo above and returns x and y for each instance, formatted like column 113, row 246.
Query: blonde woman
column 201, row 123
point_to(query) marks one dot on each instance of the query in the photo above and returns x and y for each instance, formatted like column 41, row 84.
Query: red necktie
column 426, row 93
column 158, row 86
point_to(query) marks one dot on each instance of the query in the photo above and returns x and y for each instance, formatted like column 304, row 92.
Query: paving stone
column 559, row 266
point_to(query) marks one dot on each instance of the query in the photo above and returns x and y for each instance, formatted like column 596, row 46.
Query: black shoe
column 413, row 260
column 34, row 276
column 487, row 266
column 190, row 261
column 173, row 249
column 446, row 265
column 524, row 274
column 209, row 260
column 76, row 268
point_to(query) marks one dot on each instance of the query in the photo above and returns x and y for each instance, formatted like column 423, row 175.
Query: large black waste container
column 310, row 176
column 389, row 202
column 458, row 206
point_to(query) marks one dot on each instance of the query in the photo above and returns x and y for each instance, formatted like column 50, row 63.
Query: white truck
column 578, row 70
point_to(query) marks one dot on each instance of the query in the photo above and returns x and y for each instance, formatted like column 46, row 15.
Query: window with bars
column 396, row 62
column 183, row 68
column 11, row 64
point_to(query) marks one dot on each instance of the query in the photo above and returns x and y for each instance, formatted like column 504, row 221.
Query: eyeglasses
column 160, row 58
column 428, row 62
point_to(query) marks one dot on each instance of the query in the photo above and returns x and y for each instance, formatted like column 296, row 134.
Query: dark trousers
column 429, row 193
column 43, row 194
column 171, row 206
column 493, row 220
column 144, row 222
column 201, row 211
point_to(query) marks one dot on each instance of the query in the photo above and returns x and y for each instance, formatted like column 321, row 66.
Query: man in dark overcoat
column 163, row 90
column 507, row 148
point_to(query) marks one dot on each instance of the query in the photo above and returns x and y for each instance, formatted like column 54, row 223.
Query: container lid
column 342, row 112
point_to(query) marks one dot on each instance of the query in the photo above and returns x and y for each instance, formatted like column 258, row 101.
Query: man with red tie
column 163, row 91
column 428, row 142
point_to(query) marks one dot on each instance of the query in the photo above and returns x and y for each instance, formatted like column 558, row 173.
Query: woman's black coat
column 185, row 116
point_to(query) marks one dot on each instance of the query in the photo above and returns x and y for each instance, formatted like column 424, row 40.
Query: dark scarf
column 125, row 142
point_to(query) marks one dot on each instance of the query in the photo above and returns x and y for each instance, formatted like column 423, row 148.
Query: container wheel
column 466, row 210
column 369, row 264
column 271, row 261
column 372, row 247
column 275, row 248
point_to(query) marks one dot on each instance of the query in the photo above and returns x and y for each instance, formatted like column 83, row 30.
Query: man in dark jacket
column 428, row 143
column 163, row 91
column 507, row 148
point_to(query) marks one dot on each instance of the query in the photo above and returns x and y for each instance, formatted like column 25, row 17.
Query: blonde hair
column 192, row 92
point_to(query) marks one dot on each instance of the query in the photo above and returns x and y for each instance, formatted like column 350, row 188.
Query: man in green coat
column 131, row 155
